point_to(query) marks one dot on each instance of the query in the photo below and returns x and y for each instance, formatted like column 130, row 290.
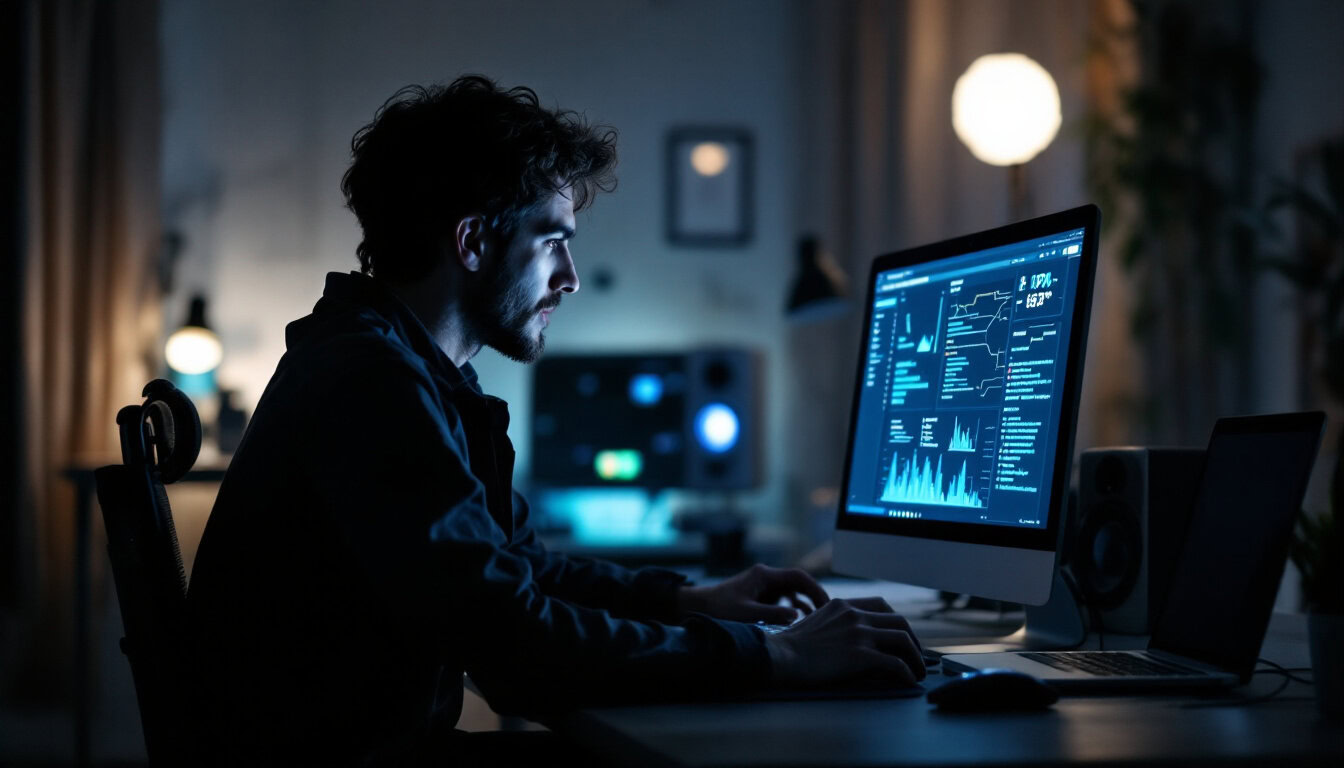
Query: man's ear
column 469, row 241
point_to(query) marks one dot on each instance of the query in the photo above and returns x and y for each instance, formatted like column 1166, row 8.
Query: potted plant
column 1318, row 553
column 1169, row 159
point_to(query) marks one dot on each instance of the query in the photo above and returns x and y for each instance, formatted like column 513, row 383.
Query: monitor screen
column 609, row 420
column 967, row 386
column 656, row 420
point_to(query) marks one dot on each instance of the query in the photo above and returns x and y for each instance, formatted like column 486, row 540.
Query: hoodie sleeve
column 646, row 593
column 415, row 518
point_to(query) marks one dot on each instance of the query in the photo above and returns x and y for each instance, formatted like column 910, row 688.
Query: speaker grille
column 1111, row 546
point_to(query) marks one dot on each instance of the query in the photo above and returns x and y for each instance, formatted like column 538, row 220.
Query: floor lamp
column 1005, row 109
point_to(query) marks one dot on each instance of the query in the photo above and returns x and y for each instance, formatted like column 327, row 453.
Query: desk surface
column 1097, row 730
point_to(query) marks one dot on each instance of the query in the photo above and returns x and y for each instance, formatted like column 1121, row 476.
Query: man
column 367, row 546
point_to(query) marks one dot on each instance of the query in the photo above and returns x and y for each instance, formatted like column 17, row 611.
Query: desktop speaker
column 1134, row 506
column 723, row 401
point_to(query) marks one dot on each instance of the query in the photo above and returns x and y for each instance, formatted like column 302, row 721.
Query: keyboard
column 1111, row 663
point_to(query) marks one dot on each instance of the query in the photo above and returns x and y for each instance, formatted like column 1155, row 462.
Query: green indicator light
column 618, row 465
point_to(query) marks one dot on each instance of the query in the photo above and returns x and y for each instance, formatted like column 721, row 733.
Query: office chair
column 160, row 440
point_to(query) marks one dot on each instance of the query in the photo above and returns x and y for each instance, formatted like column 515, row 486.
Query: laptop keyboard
column 1110, row 663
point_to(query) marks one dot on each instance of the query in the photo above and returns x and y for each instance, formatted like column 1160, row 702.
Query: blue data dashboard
column 959, row 402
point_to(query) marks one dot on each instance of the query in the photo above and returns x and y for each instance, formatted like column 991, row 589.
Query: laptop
column 1222, row 592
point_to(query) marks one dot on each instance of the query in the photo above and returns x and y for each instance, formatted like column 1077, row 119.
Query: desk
column 1095, row 730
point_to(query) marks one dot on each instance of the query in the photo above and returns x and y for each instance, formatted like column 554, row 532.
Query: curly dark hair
column 435, row 154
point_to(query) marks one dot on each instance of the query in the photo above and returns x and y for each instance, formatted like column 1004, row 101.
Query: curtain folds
column 88, row 301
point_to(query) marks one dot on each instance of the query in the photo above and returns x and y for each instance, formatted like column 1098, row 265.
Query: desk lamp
column 194, row 351
column 1005, row 109
column 818, row 285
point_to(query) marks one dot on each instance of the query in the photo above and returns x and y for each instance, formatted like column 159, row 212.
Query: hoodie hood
column 356, row 303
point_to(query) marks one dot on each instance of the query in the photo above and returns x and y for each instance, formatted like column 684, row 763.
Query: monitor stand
column 1057, row 624
column 1054, row 626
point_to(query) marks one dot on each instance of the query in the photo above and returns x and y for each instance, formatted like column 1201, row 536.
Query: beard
column 499, row 311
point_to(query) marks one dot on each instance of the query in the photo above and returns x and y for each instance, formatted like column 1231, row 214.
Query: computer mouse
column 988, row 690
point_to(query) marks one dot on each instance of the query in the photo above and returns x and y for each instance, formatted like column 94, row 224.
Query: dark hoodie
column 367, row 547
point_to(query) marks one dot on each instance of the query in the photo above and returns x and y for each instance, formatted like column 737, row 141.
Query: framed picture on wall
column 709, row 187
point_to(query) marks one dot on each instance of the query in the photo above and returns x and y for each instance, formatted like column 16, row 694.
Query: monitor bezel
column 1087, row 218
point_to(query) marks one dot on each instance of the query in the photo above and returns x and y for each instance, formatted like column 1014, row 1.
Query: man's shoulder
column 358, row 343
column 346, row 363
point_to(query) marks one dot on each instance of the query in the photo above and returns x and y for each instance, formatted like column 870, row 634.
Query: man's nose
column 566, row 277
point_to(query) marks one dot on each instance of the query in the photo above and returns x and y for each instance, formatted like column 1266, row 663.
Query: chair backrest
column 160, row 441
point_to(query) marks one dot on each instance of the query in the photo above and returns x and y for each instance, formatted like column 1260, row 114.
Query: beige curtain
column 89, row 316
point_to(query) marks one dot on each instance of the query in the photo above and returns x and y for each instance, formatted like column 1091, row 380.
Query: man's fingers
column 883, row 620
column 886, row 663
column 801, row 605
column 878, row 613
column 900, row 644
column 798, row 580
column 875, row 604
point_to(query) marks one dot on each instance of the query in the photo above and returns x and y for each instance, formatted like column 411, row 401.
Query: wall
column 262, row 99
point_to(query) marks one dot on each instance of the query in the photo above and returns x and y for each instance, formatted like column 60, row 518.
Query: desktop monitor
column 656, row 421
column 965, row 402
column 609, row 420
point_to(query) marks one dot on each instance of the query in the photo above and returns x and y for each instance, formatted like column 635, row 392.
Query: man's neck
column 441, row 316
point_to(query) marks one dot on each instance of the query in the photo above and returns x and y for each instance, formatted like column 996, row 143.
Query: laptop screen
column 1226, row 579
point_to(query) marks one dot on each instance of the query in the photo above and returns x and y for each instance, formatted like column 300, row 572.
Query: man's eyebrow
column 565, row 231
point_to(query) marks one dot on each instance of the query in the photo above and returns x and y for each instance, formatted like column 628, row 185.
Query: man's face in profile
column 510, row 299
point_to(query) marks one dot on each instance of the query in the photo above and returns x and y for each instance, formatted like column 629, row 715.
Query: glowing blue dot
column 646, row 389
column 716, row 427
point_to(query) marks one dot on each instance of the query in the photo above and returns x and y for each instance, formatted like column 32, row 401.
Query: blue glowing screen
column 959, row 406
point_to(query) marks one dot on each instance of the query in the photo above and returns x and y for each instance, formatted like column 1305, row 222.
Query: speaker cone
column 1109, row 546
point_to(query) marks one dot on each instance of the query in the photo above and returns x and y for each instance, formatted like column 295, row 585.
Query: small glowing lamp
column 194, row 348
column 1005, row 108
column 709, row 158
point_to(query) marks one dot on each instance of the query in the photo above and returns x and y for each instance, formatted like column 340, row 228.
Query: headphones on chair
column 163, row 434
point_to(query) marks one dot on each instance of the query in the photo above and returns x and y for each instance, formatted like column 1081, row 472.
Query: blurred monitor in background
column 614, row 420
column 610, row 432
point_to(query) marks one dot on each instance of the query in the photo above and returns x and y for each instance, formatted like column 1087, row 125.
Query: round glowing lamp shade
column 1005, row 108
column 193, row 350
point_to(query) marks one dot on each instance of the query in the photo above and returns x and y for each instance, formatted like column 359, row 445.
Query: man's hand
column 754, row 595
column 845, row 640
